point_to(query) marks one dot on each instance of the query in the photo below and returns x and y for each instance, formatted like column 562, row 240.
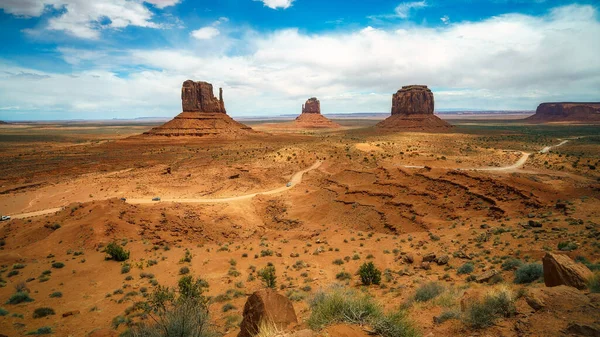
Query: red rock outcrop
column 312, row 106
column 412, row 109
column 267, row 306
column 561, row 270
column 203, row 115
column 566, row 112
column 311, row 116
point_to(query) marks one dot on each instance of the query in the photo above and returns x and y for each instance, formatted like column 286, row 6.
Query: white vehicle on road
column 5, row 218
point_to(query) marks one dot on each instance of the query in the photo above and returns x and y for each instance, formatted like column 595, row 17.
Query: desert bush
column 56, row 294
column 466, row 268
column 594, row 283
column 58, row 265
column 342, row 276
column 116, row 252
column 19, row 297
column 567, row 246
column 268, row 277
column 528, row 273
column 43, row 312
column 511, row 264
column 125, row 268
column 3, row 312
column 428, row 291
column 45, row 330
column 369, row 274
column 495, row 304
column 182, row 314
column 341, row 305
column 184, row 270
column 447, row 315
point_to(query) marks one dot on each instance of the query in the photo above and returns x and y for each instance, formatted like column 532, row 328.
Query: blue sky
column 72, row 59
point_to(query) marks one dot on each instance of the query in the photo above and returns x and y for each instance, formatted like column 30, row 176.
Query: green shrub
column 567, row 246
column 18, row 266
column 594, row 283
column 369, row 274
column 3, row 312
column 481, row 314
column 43, row 312
column 56, row 294
column 116, row 252
column 268, row 277
column 125, row 268
column 19, row 297
column 511, row 264
column 528, row 273
column 341, row 305
column 58, row 265
column 45, row 330
column 184, row 270
column 428, row 291
column 466, row 268
column 342, row 276
column 446, row 316
column 192, row 288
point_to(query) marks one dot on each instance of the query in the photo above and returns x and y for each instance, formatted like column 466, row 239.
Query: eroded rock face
column 199, row 97
column 561, row 270
column 312, row 106
column 413, row 100
column 567, row 111
column 266, row 305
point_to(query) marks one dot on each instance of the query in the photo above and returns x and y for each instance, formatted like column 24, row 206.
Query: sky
column 104, row 59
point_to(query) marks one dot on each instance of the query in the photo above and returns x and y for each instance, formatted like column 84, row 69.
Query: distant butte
column 311, row 116
column 203, row 115
column 566, row 112
column 412, row 109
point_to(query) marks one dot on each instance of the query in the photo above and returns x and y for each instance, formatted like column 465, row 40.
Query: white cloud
column 510, row 61
column 403, row 9
column 274, row 4
column 205, row 33
column 85, row 18
column 445, row 19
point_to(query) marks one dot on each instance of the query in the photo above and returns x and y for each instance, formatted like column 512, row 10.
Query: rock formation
column 311, row 116
column 412, row 109
column 561, row 270
column 203, row 115
column 566, row 112
column 266, row 306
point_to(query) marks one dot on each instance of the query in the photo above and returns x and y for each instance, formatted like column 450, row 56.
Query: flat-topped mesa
column 412, row 109
column 312, row 106
column 199, row 97
column 413, row 100
column 567, row 112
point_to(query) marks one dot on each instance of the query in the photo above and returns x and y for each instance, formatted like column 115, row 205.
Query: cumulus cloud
column 403, row 9
column 275, row 4
column 205, row 33
column 85, row 18
column 511, row 61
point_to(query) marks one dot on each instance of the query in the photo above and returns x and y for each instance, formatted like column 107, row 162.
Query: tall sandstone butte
column 566, row 112
column 311, row 116
column 203, row 115
column 412, row 109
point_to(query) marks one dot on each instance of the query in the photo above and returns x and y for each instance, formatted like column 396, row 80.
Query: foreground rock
column 203, row 115
column 556, row 298
column 566, row 112
column 266, row 306
column 561, row 270
column 412, row 109
column 311, row 116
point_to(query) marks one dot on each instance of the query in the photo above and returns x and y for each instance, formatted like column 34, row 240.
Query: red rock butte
column 566, row 112
column 412, row 109
column 311, row 116
column 203, row 115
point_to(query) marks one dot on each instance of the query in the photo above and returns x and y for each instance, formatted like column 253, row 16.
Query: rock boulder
column 269, row 306
column 312, row 106
column 413, row 100
column 561, row 270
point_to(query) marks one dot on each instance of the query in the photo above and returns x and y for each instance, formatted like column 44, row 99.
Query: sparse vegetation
column 43, row 312
column 116, row 252
column 19, row 297
column 528, row 273
column 369, row 274
column 428, row 291
column 268, row 277
column 495, row 304
column 466, row 268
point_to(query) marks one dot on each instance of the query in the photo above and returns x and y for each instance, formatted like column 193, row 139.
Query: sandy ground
column 355, row 195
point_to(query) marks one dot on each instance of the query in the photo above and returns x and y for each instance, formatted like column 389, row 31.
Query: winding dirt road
column 295, row 180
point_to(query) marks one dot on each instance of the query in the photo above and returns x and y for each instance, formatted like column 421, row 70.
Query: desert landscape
column 413, row 225
column 299, row 168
